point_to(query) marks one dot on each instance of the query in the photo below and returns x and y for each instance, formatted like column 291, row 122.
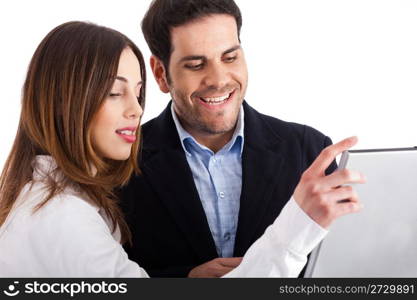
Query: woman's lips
column 127, row 133
column 127, row 137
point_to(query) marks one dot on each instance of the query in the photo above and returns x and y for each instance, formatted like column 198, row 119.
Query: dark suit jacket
column 170, row 231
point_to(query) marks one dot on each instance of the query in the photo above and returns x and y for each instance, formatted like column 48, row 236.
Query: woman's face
column 115, row 124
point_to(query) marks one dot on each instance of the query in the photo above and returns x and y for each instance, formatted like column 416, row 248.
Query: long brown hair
column 69, row 77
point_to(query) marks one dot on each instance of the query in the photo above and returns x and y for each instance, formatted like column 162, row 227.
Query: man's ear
column 159, row 73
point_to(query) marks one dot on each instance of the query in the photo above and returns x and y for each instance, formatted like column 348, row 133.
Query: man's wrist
column 297, row 230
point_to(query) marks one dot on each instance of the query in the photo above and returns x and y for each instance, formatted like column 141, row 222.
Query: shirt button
column 214, row 159
column 227, row 236
column 221, row 194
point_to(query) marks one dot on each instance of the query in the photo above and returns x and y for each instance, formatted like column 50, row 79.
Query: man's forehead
column 213, row 33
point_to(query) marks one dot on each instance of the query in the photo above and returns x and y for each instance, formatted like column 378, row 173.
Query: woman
column 78, row 139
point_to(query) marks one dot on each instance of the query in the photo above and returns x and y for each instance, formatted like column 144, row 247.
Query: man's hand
column 215, row 268
column 323, row 197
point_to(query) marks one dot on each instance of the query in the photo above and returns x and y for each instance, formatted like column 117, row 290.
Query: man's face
column 208, row 74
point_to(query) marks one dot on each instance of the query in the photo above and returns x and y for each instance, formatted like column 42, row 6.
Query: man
column 215, row 172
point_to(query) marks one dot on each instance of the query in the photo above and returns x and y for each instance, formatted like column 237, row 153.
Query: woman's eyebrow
column 121, row 78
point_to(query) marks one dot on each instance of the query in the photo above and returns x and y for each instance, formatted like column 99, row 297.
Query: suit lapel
column 167, row 170
column 262, row 163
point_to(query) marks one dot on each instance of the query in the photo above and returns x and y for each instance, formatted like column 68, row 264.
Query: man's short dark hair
column 163, row 15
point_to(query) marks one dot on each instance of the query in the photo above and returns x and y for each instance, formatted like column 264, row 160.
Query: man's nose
column 217, row 76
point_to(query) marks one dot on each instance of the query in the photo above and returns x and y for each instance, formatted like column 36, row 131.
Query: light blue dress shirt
column 218, row 178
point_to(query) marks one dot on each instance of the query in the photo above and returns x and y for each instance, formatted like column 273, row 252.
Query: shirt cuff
column 297, row 230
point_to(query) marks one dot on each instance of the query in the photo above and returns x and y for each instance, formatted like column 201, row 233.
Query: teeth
column 126, row 132
column 216, row 100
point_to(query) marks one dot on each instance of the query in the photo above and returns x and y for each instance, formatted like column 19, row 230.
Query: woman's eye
column 115, row 94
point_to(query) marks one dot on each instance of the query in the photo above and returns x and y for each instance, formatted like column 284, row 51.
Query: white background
column 344, row 67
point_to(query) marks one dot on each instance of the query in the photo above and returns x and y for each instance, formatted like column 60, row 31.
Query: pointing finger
column 328, row 155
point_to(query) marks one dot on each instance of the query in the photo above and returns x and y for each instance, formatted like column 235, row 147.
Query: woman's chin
column 122, row 155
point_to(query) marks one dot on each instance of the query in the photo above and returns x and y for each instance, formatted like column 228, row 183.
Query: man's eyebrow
column 121, row 78
column 192, row 57
column 231, row 49
column 202, row 57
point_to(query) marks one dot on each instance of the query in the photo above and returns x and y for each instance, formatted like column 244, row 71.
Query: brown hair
column 163, row 15
column 69, row 77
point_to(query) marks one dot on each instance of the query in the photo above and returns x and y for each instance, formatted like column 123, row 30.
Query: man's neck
column 214, row 142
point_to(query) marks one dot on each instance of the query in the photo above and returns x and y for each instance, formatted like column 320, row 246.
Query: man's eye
column 230, row 59
column 194, row 67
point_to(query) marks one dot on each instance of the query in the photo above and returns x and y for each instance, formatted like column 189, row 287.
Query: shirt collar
column 237, row 135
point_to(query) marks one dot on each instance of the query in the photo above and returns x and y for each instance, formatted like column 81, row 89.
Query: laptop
column 381, row 240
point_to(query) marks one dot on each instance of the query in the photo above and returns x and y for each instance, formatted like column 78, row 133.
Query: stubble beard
column 194, row 120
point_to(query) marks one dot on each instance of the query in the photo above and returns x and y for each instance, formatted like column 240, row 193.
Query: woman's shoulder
column 70, row 198
column 68, row 208
column 67, row 220
column 64, row 212
column 65, row 237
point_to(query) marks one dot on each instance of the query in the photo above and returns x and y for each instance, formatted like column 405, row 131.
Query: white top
column 71, row 237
